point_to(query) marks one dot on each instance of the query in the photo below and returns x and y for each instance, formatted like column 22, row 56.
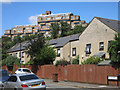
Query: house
column 62, row 47
column 94, row 41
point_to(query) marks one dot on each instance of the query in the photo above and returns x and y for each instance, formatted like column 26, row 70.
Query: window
column 67, row 17
column 12, row 79
column 28, row 77
column 58, row 52
column 58, row 18
column 101, row 46
column 22, row 54
column 19, row 54
column 74, row 51
column 109, row 44
column 88, row 48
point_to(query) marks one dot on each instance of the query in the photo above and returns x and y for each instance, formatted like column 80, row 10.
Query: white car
column 23, row 70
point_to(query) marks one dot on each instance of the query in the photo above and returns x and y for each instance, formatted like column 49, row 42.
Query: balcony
column 75, row 17
column 19, row 32
column 29, row 31
column 7, row 32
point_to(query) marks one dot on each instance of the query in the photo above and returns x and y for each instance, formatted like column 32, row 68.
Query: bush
column 62, row 62
column 92, row 60
column 75, row 60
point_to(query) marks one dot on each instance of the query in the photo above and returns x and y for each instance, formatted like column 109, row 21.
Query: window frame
column 88, row 52
column 74, row 50
column 58, row 54
column 101, row 48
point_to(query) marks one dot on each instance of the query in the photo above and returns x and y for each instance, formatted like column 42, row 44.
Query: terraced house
column 94, row 41
column 43, row 24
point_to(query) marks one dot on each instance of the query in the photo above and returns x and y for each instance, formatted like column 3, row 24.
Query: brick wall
column 76, row 73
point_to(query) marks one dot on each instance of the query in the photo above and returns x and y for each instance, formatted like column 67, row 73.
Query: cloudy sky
column 16, row 12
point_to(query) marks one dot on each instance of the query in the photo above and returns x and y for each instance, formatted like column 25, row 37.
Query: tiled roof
column 59, row 42
column 114, row 24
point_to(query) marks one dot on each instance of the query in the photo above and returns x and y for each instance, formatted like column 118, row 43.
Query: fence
column 76, row 73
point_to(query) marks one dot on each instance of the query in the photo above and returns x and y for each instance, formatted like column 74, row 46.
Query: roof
column 113, row 24
column 17, row 47
column 100, row 54
column 105, row 63
column 59, row 42
column 22, row 74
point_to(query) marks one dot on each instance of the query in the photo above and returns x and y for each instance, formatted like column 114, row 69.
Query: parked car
column 4, row 75
column 23, row 70
column 24, row 81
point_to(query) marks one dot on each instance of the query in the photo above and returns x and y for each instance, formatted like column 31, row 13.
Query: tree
column 55, row 30
column 78, row 29
column 114, row 49
column 10, row 61
column 6, row 44
column 46, row 56
column 65, row 27
column 39, row 52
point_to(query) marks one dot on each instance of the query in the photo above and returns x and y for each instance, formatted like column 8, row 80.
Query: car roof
column 22, row 74
column 23, row 68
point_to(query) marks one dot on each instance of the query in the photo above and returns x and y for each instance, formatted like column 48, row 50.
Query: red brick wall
column 77, row 73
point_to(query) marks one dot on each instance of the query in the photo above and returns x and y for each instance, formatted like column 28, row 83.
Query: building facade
column 95, row 40
column 43, row 24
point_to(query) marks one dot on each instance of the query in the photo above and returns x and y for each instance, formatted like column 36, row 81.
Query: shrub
column 92, row 60
column 75, row 60
column 62, row 62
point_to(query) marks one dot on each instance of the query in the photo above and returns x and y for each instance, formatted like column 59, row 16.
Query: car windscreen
column 28, row 77
column 26, row 70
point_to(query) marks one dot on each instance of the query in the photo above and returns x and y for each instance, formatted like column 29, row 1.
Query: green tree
column 39, row 52
column 114, row 48
column 46, row 56
column 78, row 29
column 10, row 61
column 55, row 30
column 65, row 27
column 6, row 44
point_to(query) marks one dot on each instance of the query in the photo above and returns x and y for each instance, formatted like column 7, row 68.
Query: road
column 61, row 85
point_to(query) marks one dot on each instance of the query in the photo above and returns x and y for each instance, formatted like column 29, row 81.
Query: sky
column 25, row 13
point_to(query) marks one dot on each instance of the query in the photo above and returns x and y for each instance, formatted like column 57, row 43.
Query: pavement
column 64, row 84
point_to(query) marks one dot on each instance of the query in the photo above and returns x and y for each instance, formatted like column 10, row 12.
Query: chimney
column 48, row 12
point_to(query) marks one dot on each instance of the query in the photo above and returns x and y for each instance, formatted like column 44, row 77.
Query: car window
column 28, row 77
column 19, row 69
column 26, row 70
column 12, row 79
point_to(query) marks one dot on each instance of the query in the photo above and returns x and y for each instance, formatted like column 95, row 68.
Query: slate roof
column 59, row 42
column 16, row 47
column 114, row 24
column 105, row 63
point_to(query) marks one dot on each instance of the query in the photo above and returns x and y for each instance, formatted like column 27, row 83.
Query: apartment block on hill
column 43, row 24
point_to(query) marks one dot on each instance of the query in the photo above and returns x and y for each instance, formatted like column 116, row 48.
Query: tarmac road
column 61, row 85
